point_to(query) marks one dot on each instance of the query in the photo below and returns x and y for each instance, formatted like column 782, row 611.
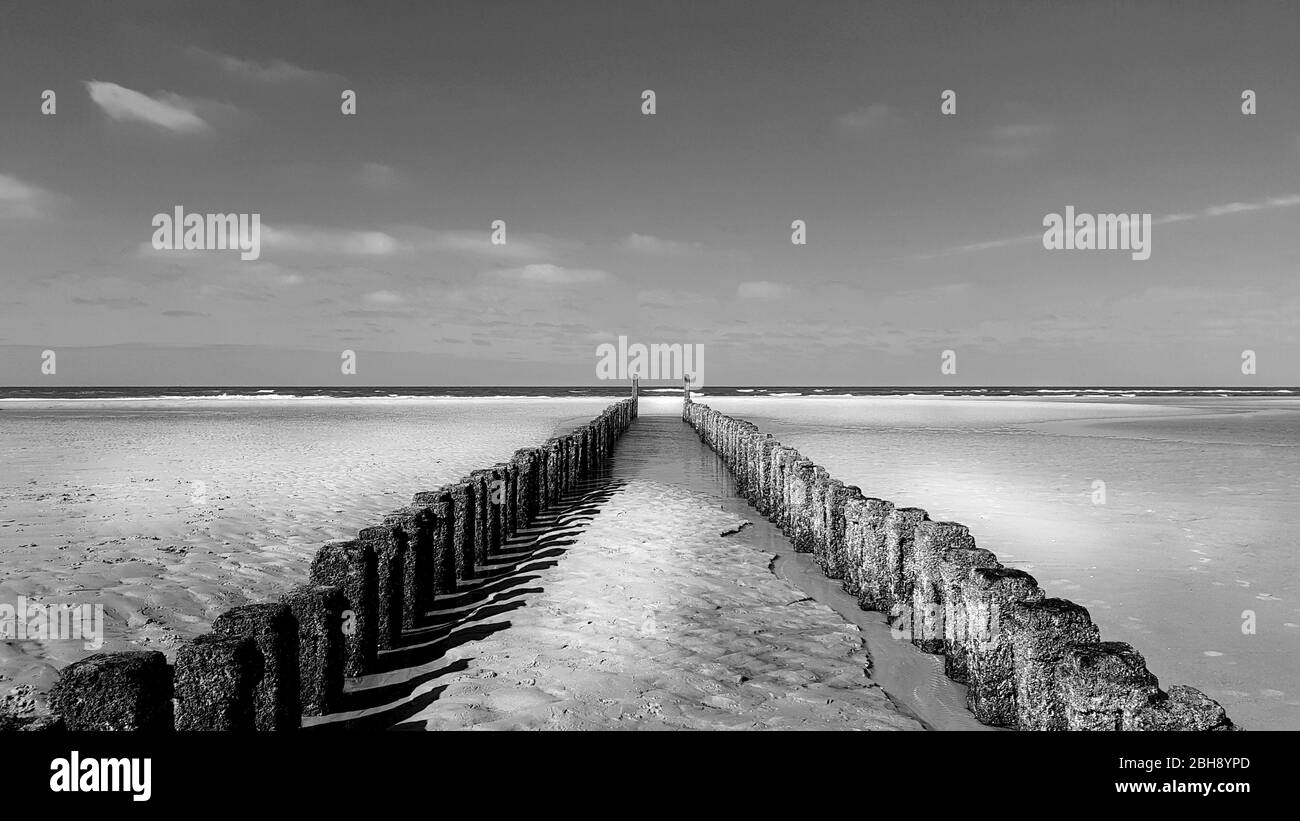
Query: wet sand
column 915, row 680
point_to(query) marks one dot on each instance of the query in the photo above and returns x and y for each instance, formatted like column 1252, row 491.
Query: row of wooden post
column 1029, row 661
column 265, row 666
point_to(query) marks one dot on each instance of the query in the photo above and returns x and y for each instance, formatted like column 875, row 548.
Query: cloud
column 675, row 299
column 647, row 244
column 764, row 290
column 932, row 293
column 383, row 298
column 377, row 176
column 376, row 313
column 479, row 243
column 1232, row 208
column 873, row 118
column 313, row 240
column 392, row 240
column 19, row 199
column 1269, row 203
column 110, row 301
column 1016, row 141
column 979, row 246
column 547, row 274
column 272, row 72
column 184, row 314
column 170, row 112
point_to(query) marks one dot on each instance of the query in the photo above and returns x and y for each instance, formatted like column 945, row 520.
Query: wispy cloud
column 19, row 199
column 110, row 301
column 764, row 290
column 479, row 243
column 979, row 246
column 392, row 240
column 305, row 239
column 873, row 118
column 673, row 299
column 927, row 295
column 170, row 112
column 1268, row 203
column 1015, row 141
column 383, row 298
column 547, row 274
column 271, row 72
column 1286, row 201
column 647, row 244
column 376, row 175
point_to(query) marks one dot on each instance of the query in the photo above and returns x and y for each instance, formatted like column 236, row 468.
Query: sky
column 924, row 230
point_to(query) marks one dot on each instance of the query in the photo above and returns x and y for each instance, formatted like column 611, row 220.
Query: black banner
column 440, row 771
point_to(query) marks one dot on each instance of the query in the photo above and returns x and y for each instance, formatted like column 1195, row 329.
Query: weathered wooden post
column 318, row 610
column 350, row 566
column 442, row 537
column 1040, row 631
column 510, row 508
column 481, row 481
column 463, row 526
column 529, row 485
column 274, row 630
column 389, row 545
column 930, row 543
column 216, row 683
column 130, row 690
column 989, row 595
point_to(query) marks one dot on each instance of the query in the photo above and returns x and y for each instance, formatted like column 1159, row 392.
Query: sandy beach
column 645, row 607
column 168, row 512
column 650, row 618
column 632, row 610
column 1195, row 532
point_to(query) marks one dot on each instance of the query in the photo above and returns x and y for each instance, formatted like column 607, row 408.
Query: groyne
column 265, row 666
column 1029, row 661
